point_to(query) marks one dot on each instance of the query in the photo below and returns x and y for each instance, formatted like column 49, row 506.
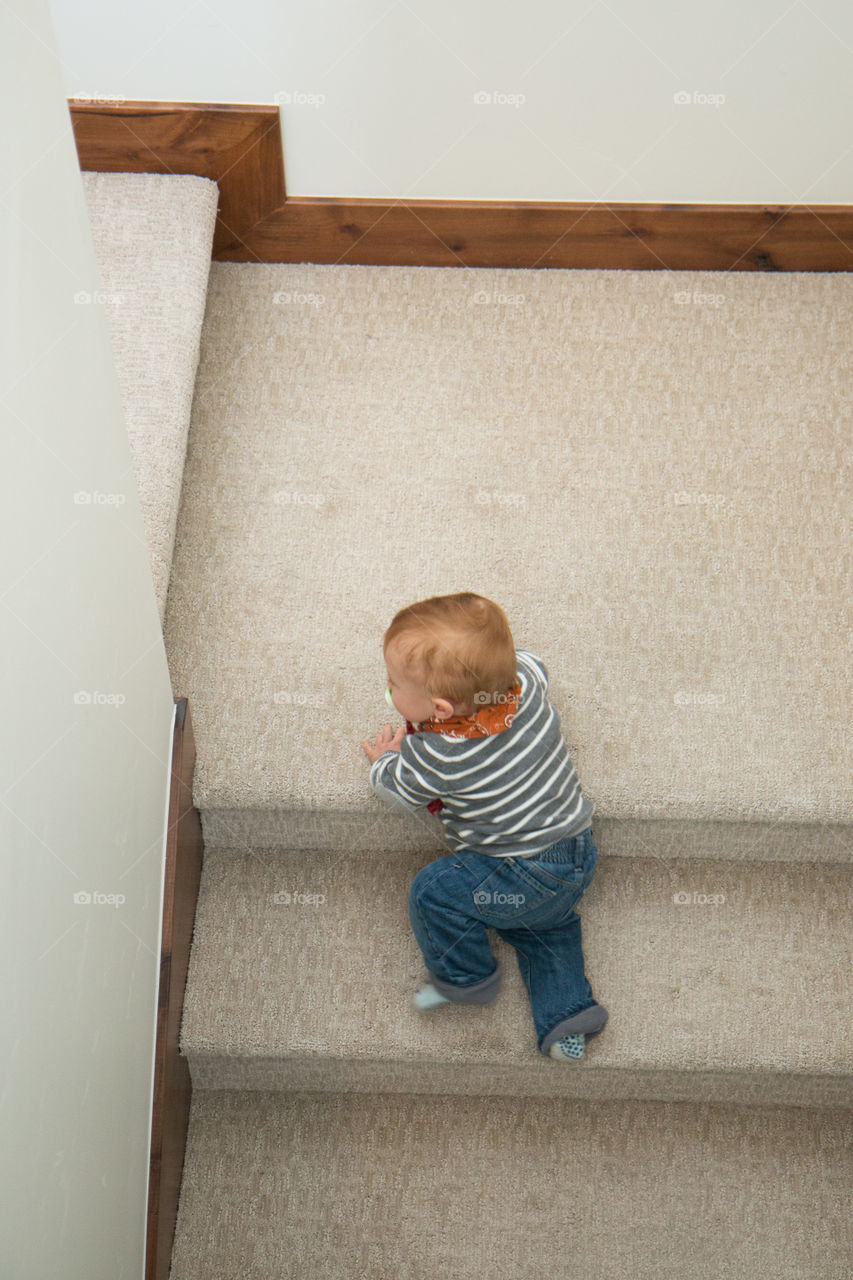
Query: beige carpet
column 393, row 1187
column 649, row 472
column 153, row 237
column 655, row 489
column 747, row 999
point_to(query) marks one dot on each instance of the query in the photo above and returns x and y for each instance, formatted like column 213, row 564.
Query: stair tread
column 654, row 493
column 398, row 1187
column 759, row 983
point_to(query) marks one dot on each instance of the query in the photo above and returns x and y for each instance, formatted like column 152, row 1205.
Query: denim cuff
column 482, row 992
column 588, row 1022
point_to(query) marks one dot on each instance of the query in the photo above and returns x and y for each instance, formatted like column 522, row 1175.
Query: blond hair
column 458, row 647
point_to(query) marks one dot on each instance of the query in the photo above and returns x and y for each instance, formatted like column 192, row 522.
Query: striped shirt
column 511, row 794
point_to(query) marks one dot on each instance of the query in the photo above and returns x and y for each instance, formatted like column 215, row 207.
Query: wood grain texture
column 240, row 147
column 237, row 145
column 172, row 1084
column 434, row 233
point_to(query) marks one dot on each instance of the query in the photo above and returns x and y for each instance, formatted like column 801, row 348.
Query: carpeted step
column 396, row 1187
column 645, row 469
column 153, row 239
column 725, row 982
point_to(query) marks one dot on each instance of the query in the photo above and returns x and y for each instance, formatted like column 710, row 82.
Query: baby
column 482, row 747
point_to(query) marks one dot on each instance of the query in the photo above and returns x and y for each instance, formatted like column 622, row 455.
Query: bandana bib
column 486, row 720
column 489, row 719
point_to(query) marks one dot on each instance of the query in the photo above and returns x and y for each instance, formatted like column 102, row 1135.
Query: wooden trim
column 641, row 237
column 237, row 145
column 172, row 1084
column 240, row 147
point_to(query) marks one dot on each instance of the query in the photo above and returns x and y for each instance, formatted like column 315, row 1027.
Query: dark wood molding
column 240, row 146
column 448, row 233
column 172, row 1084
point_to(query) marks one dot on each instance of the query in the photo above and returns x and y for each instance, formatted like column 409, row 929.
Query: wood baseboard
column 639, row 237
column 240, row 146
column 172, row 1084
column 237, row 145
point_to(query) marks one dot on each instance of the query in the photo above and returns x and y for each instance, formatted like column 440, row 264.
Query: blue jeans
column 531, row 903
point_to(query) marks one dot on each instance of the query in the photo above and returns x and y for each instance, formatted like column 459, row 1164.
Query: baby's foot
column 568, row 1047
column 426, row 997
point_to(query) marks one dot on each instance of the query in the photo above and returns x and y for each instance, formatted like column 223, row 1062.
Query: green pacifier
column 389, row 699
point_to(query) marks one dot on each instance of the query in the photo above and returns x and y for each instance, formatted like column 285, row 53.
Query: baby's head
column 448, row 656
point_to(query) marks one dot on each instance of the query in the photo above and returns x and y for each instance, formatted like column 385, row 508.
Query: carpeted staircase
column 649, row 471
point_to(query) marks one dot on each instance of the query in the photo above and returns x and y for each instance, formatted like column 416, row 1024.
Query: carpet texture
column 304, row 964
column 405, row 1188
column 649, row 471
column 153, row 237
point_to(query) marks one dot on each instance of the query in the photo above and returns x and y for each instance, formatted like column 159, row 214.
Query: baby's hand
column 385, row 742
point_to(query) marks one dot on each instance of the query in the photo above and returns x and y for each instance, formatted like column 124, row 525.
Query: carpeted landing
column 648, row 470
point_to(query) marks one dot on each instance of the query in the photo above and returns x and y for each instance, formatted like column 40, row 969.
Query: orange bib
column 489, row 719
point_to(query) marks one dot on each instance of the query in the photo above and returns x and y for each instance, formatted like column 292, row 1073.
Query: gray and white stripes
column 510, row 794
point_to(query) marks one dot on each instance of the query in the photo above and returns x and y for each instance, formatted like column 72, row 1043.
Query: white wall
column 379, row 95
column 86, row 724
